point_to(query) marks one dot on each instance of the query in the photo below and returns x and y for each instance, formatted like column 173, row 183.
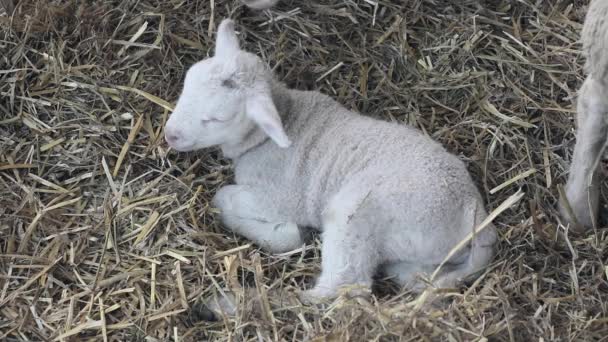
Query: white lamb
column 386, row 197
column 583, row 187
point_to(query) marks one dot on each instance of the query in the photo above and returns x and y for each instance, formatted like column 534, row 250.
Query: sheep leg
column 349, row 252
column 583, row 186
column 252, row 216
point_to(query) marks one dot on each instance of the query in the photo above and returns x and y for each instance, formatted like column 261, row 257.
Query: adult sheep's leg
column 582, row 189
column 251, row 215
column 349, row 249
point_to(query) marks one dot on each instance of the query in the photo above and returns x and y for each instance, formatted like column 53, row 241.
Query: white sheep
column 385, row 196
column 583, row 186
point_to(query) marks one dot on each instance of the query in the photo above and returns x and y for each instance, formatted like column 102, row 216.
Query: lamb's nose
column 172, row 135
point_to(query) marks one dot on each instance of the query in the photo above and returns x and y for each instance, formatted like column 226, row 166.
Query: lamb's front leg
column 582, row 189
column 251, row 215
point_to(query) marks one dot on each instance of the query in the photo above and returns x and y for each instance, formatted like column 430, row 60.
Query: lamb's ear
column 262, row 111
column 226, row 42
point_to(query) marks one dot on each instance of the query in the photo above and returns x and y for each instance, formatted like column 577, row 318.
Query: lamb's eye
column 229, row 83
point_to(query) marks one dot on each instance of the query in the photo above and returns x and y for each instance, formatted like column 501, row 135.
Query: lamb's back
column 332, row 146
column 335, row 146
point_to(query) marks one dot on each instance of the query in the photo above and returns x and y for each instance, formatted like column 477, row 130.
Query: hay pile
column 107, row 235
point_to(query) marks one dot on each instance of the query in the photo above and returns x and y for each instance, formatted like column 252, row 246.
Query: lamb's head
column 224, row 98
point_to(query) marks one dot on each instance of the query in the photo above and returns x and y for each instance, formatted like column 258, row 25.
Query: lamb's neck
column 281, row 97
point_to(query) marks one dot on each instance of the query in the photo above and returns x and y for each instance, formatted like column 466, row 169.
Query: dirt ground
column 106, row 234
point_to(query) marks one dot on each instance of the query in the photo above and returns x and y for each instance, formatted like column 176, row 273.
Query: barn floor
column 106, row 234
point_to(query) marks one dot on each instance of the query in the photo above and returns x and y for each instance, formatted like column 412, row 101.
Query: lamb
column 583, row 185
column 386, row 197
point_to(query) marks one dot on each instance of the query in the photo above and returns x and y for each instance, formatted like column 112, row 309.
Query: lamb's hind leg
column 582, row 189
column 407, row 274
column 247, row 213
column 415, row 277
column 349, row 251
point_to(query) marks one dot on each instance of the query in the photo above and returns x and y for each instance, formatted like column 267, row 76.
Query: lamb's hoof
column 319, row 295
column 358, row 291
column 227, row 305
column 315, row 296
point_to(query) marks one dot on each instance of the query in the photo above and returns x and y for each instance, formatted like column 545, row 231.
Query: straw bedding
column 106, row 234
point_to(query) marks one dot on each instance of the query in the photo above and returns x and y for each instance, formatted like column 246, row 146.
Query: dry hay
column 105, row 234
